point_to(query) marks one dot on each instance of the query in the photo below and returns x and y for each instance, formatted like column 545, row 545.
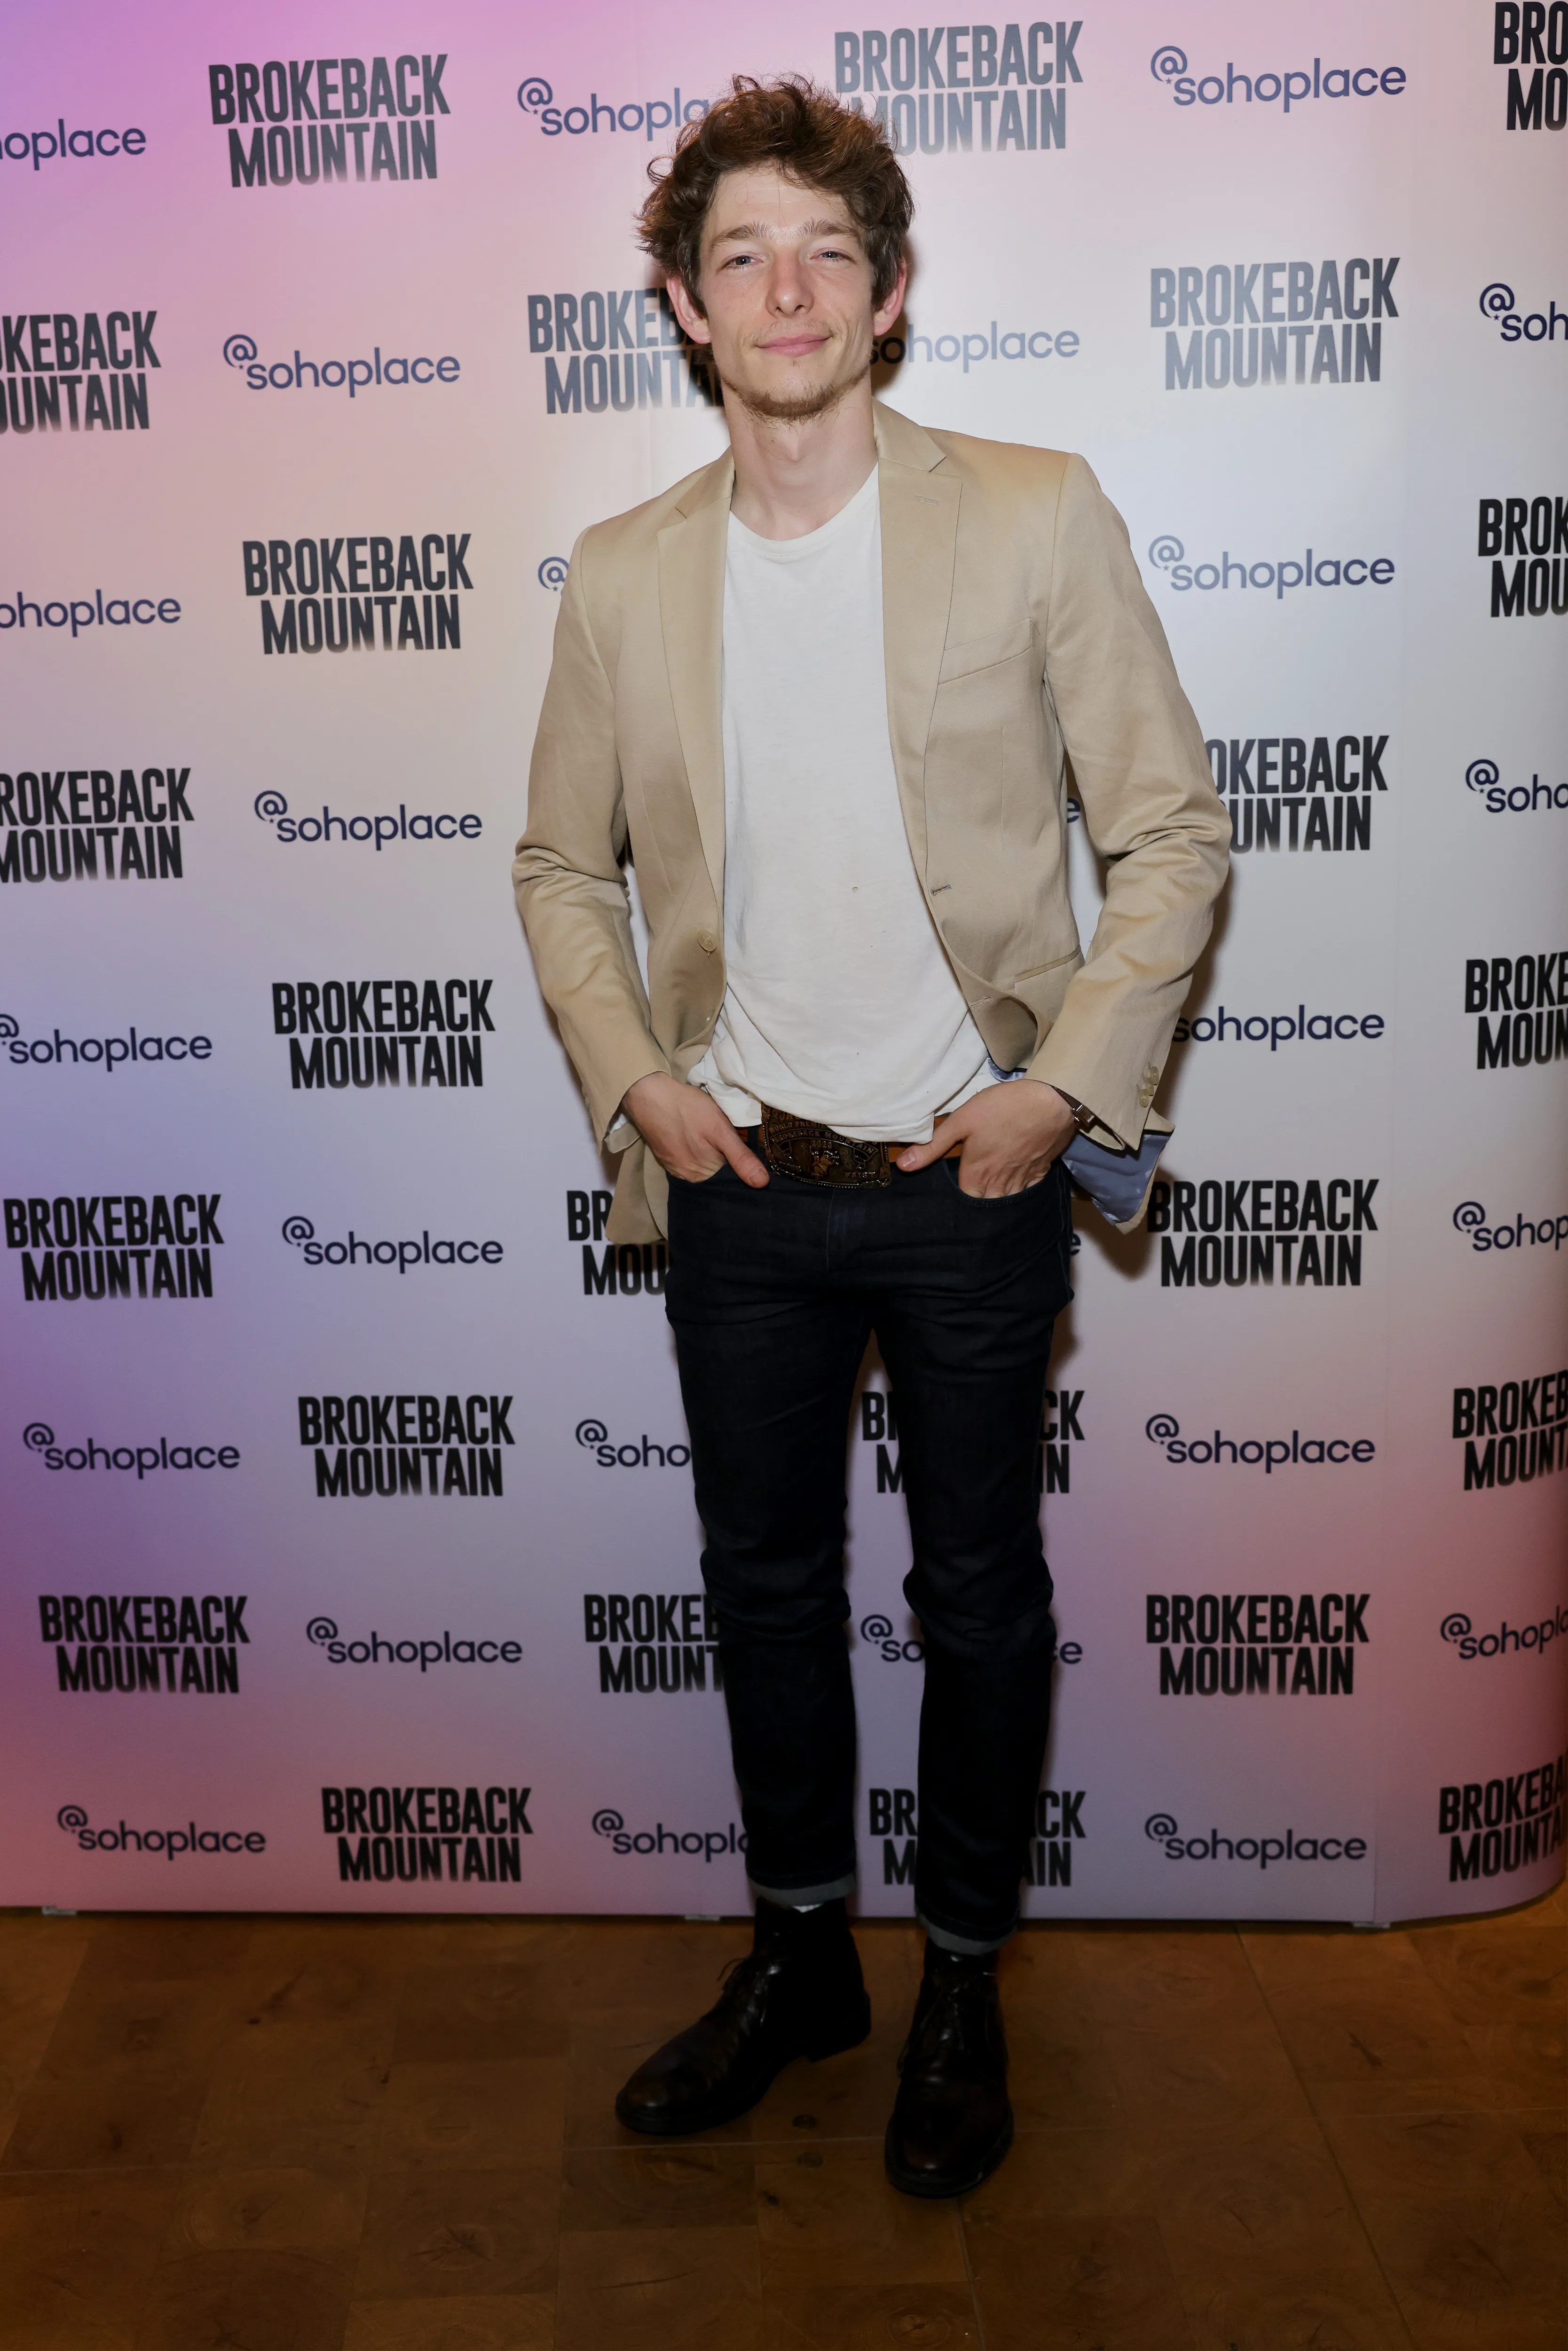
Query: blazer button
column 708, row 942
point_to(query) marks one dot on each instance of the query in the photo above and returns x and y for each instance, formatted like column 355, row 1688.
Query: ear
column 885, row 315
column 686, row 312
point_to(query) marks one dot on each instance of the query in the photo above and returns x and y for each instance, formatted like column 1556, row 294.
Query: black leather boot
column 951, row 2121
column 797, row 1993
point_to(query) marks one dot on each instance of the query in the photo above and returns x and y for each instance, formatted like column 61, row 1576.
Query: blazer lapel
column 919, row 540
column 691, row 613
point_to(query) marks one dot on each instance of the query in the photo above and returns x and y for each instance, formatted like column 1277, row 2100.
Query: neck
column 792, row 476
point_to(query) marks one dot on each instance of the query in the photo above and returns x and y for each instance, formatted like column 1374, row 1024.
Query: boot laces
column 955, row 2025
column 743, row 1978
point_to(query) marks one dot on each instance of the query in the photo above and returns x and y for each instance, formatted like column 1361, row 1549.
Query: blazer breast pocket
column 968, row 655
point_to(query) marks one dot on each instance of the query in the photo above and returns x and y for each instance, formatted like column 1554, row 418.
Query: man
column 822, row 693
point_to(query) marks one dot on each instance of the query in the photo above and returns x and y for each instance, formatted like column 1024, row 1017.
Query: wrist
column 638, row 1086
column 1083, row 1118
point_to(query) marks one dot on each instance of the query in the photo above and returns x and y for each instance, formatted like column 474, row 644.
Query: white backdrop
column 324, row 330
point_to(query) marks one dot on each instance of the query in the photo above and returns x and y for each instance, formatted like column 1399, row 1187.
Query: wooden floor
column 301, row 2134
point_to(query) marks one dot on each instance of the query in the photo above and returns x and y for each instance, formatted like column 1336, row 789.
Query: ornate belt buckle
column 813, row 1154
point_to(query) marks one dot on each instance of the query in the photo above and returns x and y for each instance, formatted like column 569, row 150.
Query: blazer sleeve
column 1143, row 780
column 567, row 872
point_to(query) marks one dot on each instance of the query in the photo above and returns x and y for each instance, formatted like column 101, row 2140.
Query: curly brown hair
column 804, row 133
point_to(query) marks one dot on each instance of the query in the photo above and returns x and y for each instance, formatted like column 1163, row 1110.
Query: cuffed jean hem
column 965, row 1945
column 793, row 1897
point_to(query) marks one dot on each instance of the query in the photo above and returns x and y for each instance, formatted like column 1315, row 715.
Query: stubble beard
column 802, row 408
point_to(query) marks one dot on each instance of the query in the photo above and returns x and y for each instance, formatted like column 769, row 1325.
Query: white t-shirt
column 839, row 1002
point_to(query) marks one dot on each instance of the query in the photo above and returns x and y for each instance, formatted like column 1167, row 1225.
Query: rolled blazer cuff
column 607, row 1085
column 1118, row 1117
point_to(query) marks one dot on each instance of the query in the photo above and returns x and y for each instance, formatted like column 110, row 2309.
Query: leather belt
column 813, row 1154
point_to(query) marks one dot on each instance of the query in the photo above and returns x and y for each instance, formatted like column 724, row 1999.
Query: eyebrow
column 762, row 232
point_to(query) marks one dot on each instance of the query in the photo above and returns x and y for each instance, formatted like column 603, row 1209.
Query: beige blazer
column 1021, row 653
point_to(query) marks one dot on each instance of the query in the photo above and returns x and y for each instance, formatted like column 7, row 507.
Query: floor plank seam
column 969, row 2276
column 742, row 2145
column 1352, row 2199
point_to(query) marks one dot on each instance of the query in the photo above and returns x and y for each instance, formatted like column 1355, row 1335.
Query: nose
column 789, row 291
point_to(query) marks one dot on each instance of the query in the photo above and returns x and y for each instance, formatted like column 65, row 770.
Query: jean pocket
column 950, row 1167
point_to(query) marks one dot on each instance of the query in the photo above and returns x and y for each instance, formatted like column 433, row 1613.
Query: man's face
column 787, row 293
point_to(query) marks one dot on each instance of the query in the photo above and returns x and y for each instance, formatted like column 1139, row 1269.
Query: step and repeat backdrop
column 353, row 1561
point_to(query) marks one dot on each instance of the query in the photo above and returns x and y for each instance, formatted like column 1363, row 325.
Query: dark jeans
column 772, row 1296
